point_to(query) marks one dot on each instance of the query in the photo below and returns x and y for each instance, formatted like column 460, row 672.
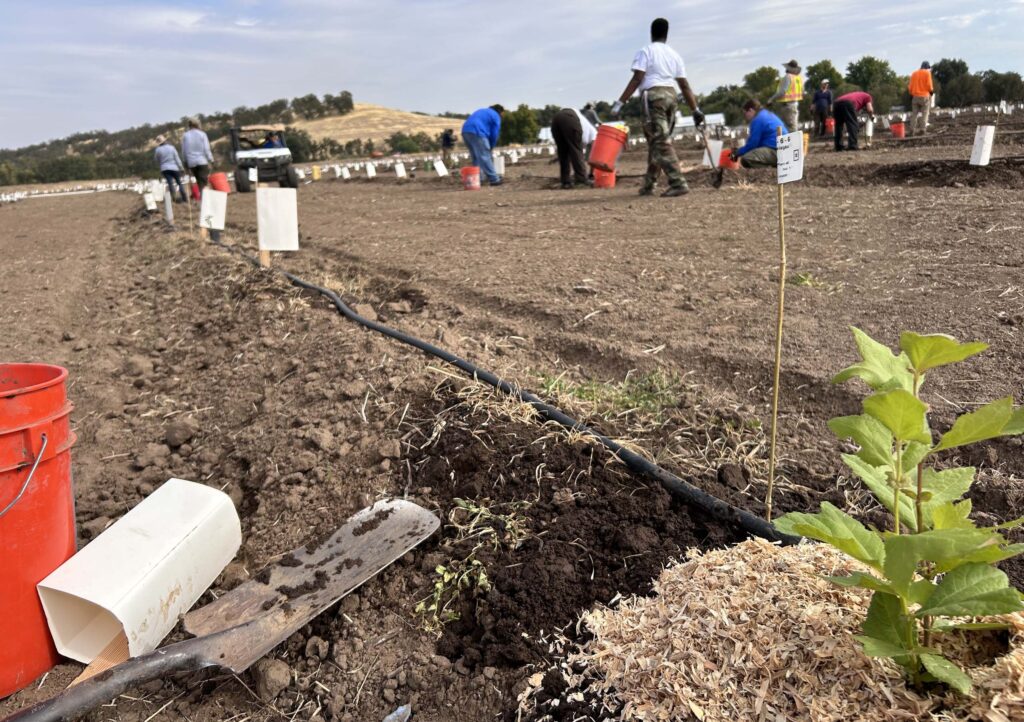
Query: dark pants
column 846, row 117
column 568, row 135
column 819, row 122
column 172, row 177
column 202, row 174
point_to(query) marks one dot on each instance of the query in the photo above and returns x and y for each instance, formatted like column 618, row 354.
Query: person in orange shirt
column 921, row 92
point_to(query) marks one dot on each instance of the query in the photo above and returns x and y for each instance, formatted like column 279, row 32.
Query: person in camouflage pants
column 659, row 122
column 657, row 70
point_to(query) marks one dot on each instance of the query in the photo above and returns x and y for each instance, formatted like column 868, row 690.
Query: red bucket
column 724, row 161
column 470, row 178
column 607, row 148
column 219, row 182
column 604, row 178
column 37, row 512
column 830, row 126
column 899, row 130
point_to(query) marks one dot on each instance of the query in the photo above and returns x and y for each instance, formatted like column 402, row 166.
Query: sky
column 76, row 65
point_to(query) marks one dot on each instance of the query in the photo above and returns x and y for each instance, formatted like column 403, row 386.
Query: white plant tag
column 277, row 219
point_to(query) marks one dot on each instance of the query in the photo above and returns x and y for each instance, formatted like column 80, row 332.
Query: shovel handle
column 76, row 701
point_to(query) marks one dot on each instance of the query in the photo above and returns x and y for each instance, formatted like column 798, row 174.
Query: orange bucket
column 604, row 178
column 724, row 161
column 830, row 126
column 37, row 512
column 607, row 148
column 899, row 130
column 219, row 182
column 471, row 178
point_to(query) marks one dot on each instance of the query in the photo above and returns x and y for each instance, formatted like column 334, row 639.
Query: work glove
column 733, row 156
column 698, row 118
column 616, row 108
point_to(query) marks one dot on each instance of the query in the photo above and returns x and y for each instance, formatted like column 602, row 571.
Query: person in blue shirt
column 480, row 134
column 273, row 140
column 760, row 150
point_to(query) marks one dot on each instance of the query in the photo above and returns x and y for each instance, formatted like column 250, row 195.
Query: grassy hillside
column 375, row 122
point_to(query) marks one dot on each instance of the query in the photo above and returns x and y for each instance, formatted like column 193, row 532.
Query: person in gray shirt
column 195, row 147
column 170, row 166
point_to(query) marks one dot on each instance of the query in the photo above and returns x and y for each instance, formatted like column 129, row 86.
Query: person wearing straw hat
column 657, row 69
column 195, row 147
column 170, row 166
column 921, row 92
column 822, row 108
column 790, row 92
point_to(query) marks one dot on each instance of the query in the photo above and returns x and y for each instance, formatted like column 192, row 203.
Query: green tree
column 546, row 114
column 301, row 144
column 1002, row 86
column 948, row 68
column 961, row 91
column 876, row 77
column 727, row 99
column 762, row 83
column 815, row 73
column 519, row 126
column 308, row 106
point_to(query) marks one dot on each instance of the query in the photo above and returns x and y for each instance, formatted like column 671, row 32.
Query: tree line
column 102, row 154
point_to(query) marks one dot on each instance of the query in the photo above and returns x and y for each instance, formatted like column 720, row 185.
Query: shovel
column 243, row 625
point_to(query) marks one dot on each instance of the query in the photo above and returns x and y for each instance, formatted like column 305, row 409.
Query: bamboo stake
column 778, row 347
column 263, row 255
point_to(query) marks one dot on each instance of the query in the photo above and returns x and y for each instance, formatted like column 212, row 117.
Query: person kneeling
column 760, row 149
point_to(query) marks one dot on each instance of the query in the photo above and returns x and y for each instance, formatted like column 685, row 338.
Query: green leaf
column 873, row 438
column 945, row 671
column 880, row 648
column 973, row 590
column 914, row 454
column 877, row 480
column 885, row 620
column 948, row 484
column 936, row 349
column 879, row 367
column 1015, row 426
column 941, row 625
column 921, row 591
column 864, row 581
column 987, row 422
column 837, row 528
column 947, row 548
column 951, row 516
column 902, row 413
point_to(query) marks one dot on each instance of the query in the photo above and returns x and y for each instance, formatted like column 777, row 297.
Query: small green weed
column 451, row 582
column 650, row 393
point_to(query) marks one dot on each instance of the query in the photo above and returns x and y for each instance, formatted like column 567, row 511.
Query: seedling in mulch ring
column 648, row 393
column 452, row 581
column 936, row 566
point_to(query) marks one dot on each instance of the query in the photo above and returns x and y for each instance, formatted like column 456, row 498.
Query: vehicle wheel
column 242, row 184
column 291, row 179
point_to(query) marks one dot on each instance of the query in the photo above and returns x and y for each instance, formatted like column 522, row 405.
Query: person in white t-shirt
column 572, row 132
column 657, row 69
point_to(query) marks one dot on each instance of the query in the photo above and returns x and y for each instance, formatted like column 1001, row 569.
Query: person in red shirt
column 921, row 92
column 845, row 110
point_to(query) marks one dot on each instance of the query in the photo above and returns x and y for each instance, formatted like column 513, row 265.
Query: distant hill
column 376, row 123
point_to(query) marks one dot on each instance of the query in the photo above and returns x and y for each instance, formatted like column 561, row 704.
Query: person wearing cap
column 760, row 150
column 170, row 166
column 790, row 92
column 572, row 133
column 195, row 149
column 273, row 140
column 921, row 92
column 657, row 70
column 480, row 134
column 822, row 108
column 846, row 108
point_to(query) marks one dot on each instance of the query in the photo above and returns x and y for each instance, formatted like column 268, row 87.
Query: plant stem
column 778, row 353
column 897, row 486
column 918, row 513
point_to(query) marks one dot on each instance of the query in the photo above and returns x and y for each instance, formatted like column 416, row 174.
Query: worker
column 447, row 145
column 273, row 140
column 760, row 150
column 822, row 108
column 572, row 133
column 170, row 166
column 921, row 92
column 845, row 110
column 195, row 148
column 480, row 134
column 790, row 92
column 590, row 114
column 657, row 69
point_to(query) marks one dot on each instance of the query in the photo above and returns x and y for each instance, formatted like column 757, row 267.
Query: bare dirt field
column 650, row 319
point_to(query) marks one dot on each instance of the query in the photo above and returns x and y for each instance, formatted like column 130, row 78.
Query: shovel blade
column 314, row 578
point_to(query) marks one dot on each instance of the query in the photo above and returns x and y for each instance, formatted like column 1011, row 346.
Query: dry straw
column 754, row 633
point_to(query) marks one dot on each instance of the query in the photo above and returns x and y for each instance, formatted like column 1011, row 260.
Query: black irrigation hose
column 687, row 493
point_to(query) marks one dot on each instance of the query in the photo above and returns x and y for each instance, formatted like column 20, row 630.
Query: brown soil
column 304, row 418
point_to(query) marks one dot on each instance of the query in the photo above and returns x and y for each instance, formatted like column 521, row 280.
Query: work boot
column 676, row 191
column 647, row 191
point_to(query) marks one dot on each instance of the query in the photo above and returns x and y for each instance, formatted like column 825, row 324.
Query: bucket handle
column 28, row 479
